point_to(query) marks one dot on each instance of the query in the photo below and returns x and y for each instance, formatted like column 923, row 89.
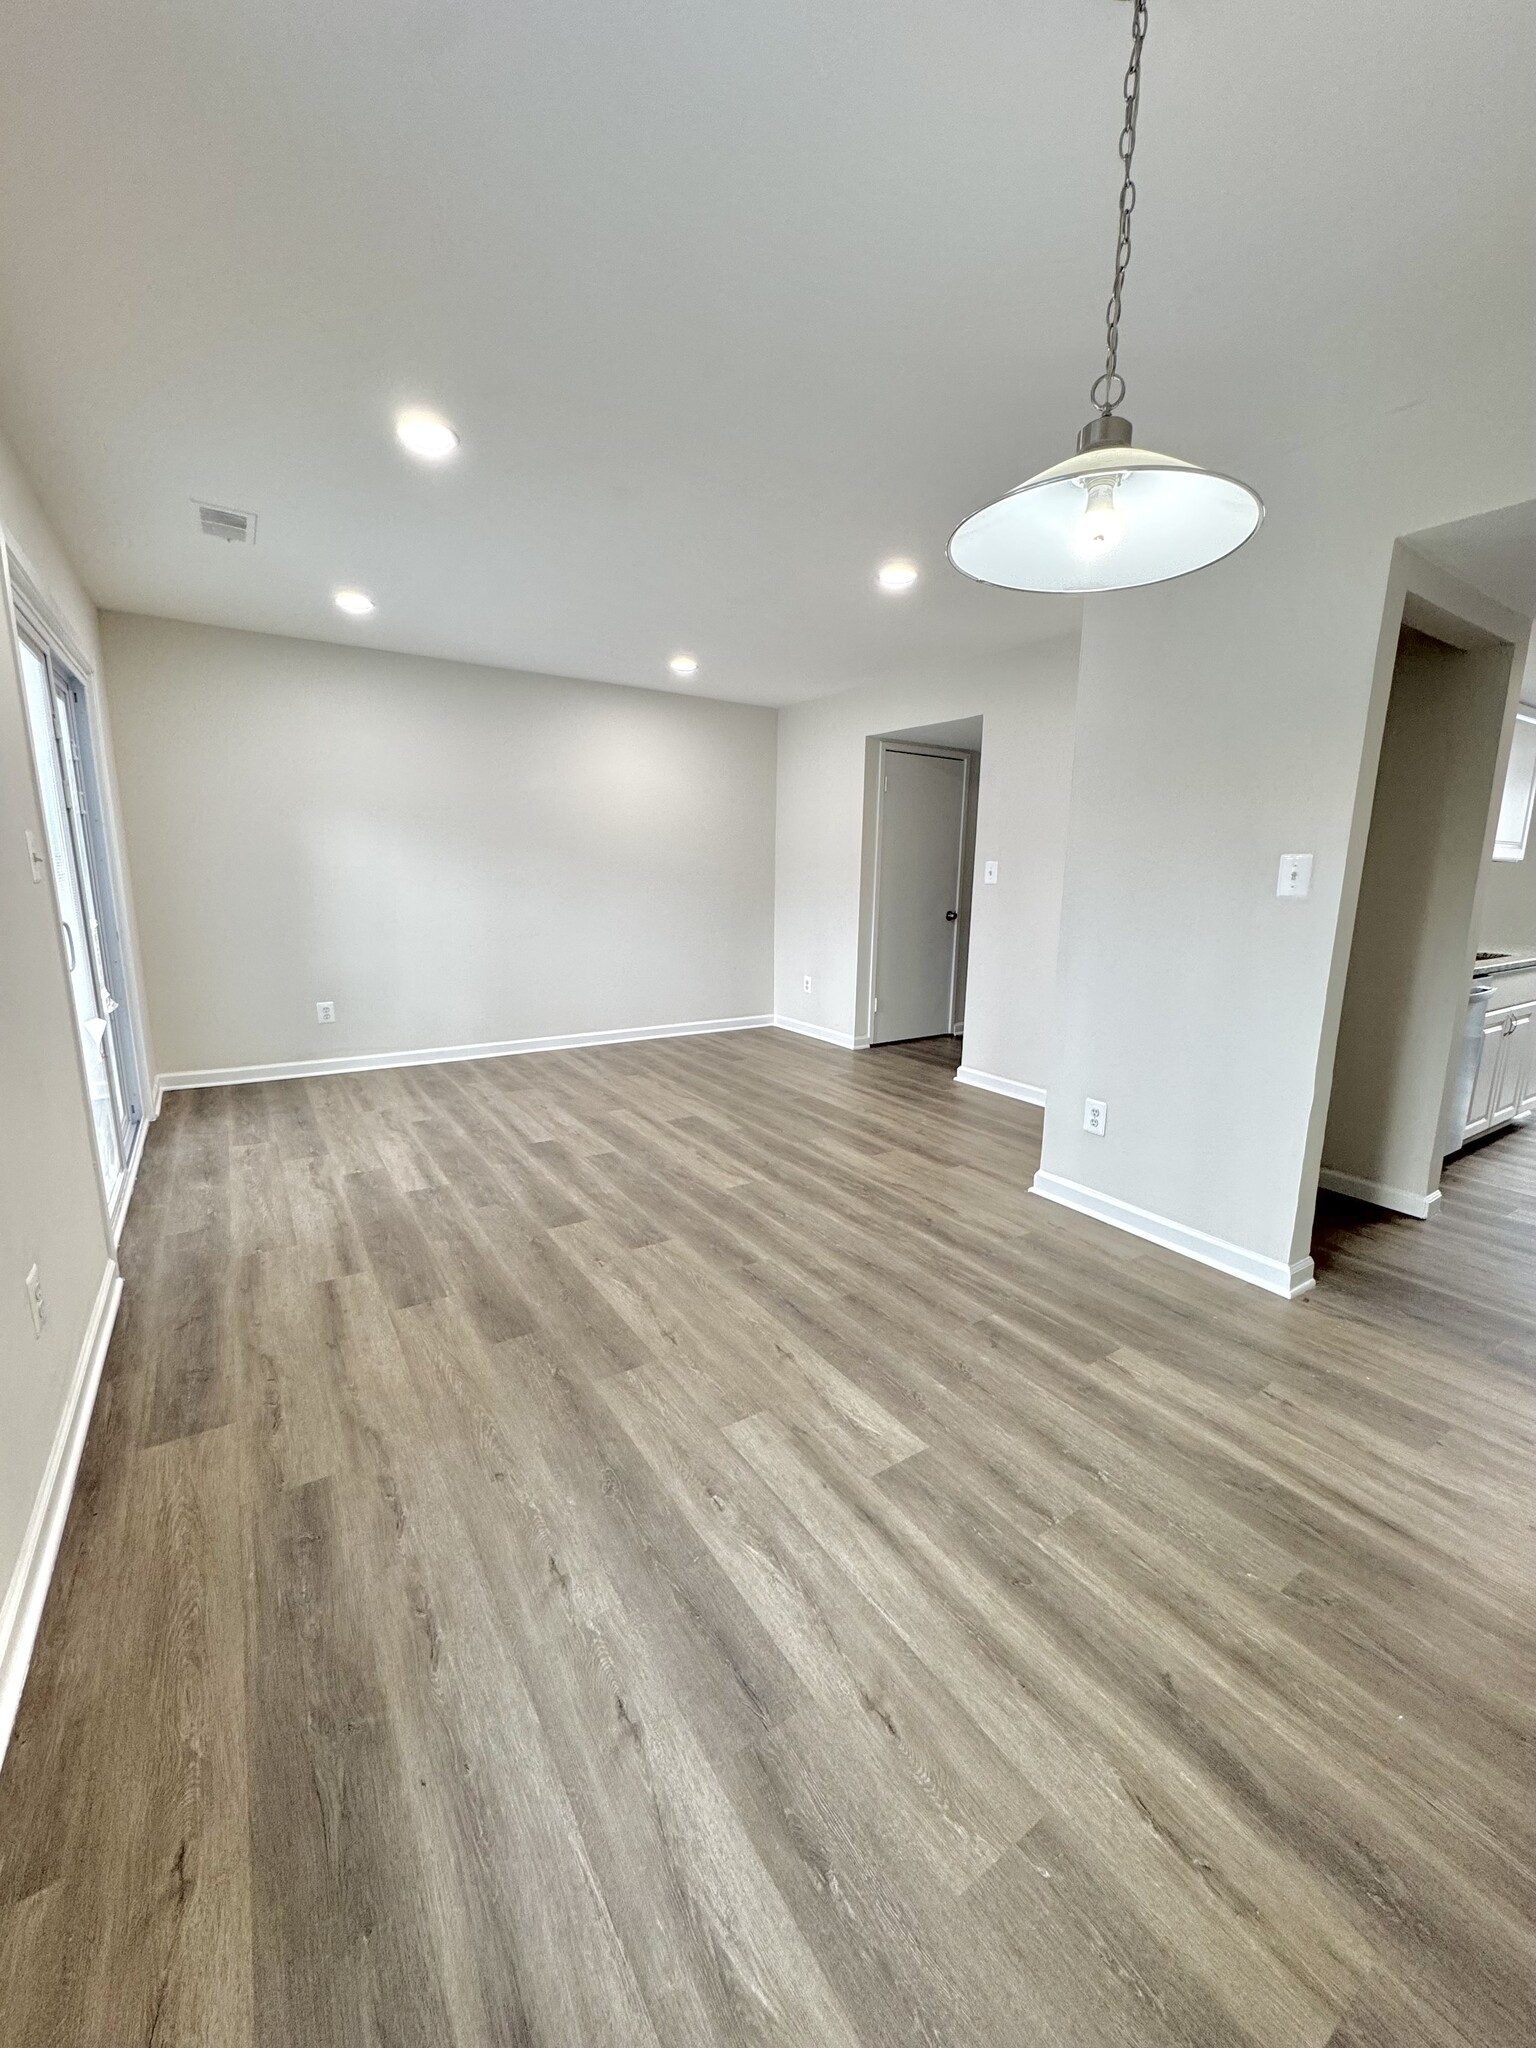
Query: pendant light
column 1112, row 516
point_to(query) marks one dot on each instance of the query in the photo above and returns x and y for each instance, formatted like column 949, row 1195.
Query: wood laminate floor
column 670, row 1545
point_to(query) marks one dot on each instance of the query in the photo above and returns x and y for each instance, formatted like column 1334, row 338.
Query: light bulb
column 425, row 434
column 1101, row 523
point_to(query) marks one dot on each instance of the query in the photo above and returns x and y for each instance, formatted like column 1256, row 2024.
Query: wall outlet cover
column 325, row 1013
column 807, row 984
column 1095, row 1116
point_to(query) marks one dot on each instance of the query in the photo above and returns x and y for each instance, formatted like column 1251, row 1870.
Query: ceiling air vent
column 220, row 523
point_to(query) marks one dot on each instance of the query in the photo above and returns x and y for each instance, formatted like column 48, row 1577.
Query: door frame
column 884, row 749
column 1422, row 594
column 26, row 607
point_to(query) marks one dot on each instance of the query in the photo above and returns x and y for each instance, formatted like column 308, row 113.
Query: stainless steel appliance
column 1459, row 1102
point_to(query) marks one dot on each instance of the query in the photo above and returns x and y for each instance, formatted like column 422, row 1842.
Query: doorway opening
column 78, row 856
column 919, row 867
column 1410, row 1054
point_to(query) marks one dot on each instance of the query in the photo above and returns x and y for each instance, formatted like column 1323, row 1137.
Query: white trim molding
column 22, row 1608
column 440, row 1055
column 850, row 1041
column 1380, row 1193
column 999, row 1084
column 124, row 1193
column 884, row 748
column 1273, row 1275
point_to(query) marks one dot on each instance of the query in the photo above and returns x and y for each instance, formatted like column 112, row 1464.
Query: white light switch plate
column 989, row 872
column 37, row 1308
column 1295, row 877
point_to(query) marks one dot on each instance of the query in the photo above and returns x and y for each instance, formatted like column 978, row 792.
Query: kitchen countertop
column 1505, row 963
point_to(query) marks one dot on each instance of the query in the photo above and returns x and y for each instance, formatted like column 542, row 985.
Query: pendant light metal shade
column 1109, row 519
column 1112, row 516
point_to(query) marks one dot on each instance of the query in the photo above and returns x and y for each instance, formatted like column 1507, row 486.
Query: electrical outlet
column 37, row 1308
column 807, row 984
column 989, row 872
column 1095, row 1116
column 325, row 1013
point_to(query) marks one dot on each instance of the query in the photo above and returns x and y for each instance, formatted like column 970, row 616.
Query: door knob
column 950, row 916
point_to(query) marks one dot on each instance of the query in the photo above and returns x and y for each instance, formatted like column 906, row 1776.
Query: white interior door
column 917, row 900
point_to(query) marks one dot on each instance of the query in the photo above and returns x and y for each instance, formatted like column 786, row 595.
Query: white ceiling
column 729, row 301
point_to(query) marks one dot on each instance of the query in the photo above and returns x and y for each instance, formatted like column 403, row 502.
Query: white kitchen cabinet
column 1514, row 1078
column 1480, row 1109
column 1505, row 1087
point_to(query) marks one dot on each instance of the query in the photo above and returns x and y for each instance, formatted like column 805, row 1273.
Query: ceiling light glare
column 357, row 604
column 425, row 434
column 896, row 576
column 683, row 665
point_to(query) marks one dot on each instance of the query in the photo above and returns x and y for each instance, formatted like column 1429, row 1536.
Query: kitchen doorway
column 1406, row 1062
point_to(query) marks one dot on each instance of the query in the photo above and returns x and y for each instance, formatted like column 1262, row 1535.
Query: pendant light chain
column 1109, row 388
column 1114, row 515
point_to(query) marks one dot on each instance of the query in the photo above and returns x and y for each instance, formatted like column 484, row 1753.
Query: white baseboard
column 849, row 1040
column 999, row 1084
column 439, row 1055
column 22, row 1608
column 1379, row 1192
column 1274, row 1275
column 125, row 1192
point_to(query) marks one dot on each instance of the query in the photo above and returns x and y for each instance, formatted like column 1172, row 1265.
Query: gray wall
column 1026, row 767
column 1506, row 908
column 1223, row 720
column 453, row 855
column 50, row 1196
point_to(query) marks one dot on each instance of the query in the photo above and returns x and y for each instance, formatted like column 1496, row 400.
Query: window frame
column 1522, row 761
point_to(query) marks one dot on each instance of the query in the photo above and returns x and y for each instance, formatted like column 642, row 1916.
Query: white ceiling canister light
column 425, row 434
column 683, row 665
column 357, row 604
column 1112, row 516
column 896, row 576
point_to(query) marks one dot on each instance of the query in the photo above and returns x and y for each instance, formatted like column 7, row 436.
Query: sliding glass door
column 57, row 713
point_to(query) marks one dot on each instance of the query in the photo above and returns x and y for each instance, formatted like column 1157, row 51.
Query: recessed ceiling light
column 357, row 604
column 896, row 575
column 425, row 434
column 683, row 665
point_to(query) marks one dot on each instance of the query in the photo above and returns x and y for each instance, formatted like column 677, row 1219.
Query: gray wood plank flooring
column 669, row 1545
